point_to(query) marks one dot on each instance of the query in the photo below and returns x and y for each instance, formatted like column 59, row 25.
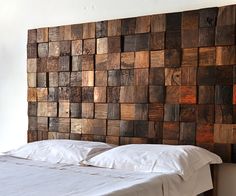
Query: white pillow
column 60, row 151
column 183, row 160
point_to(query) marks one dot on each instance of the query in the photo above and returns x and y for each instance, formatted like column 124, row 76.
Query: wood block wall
column 166, row 78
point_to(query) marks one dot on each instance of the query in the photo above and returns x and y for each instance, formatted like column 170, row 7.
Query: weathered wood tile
column 113, row 127
column 129, row 43
column 75, row 94
column 140, row 128
column 100, row 94
column 42, row 80
column 172, row 58
column 32, row 109
column 141, row 76
column 157, row 41
column 157, row 76
column 65, row 48
column 141, row 59
column 42, row 50
column 173, row 21
column 52, row 64
column 126, row 77
column 76, row 47
column 143, row 24
column 76, row 79
column 206, row 75
column 53, row 79
column 206, row 94
column 156, row 94
column 54, row 49
column 113, row 61
column 127, row 60
column 32, row 65
column 156, row 112
column 94, row 126
column 141, row 111
column 226, row 16
column 190, row 20
column 42, row 123
column 113, row 111
column 32, row 95
column 100, row 78
column 101, row 29
column 171, row 131
column 114, row 27
column 224, row 75
column 224, row 133
column 113, row 78
column 190, row 57
column 32, row 36
column 157, row 58
column 64, row 79
column 133, row 140
column 54, row 34
column 223, row 94
column 188, row 113
column 206, row 114
column 207, row 56
column 89, row 30
column 32, row 124
column 64, row 126
column 65, row 32
column 88, row 94
column 189, row 38
column 76, row 63
column 88, row 62
column 32, row 50
column 226, row 55
column 224, row 114
column 171, row 112
column 127, row 111
column 102, row 45
column 188, row 95
column 225, row 35
column 158, row 23
column 208, row 17
column 76, row 31
column 127, row 94
column 42, row 109
column 113, row 94
column 31, row 80
column 52, row 109
column 173, row 39
column 142, row 42
column 204, row 133
column 188, row 75
column 140, row 94
column 87, row 110
column 187, row 133
column 172, row 94
column 155, row 130
column 89, row 46
column 64, row 63
column 113, row 140
column 42, row 65
column 42, row 94
column 76, row 125
column 64, row 93
column 87, row 78
column 126, row 128
column 75, row 110
column 101, row 110
column 42, row 35
column 172, row 76
column 206, row 37
column 128, row 26
column 53, row 94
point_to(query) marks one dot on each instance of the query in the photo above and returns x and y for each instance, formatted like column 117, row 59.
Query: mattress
column 31, row 178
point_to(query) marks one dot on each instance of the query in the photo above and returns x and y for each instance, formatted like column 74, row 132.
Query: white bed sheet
column 20, row 177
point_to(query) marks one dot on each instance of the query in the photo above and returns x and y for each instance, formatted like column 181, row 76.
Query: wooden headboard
column 166, row 78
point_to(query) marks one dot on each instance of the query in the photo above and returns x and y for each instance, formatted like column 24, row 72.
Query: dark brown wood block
column 42, row 65
column 127, row 60
column 126, row 128
column 225, row 35
column 234, row 94
column 190, row 57
column 114, row 27
column 171, row 112
column 206, row 94
column 101, row 78
column 226, row 55
column 127, row 94
column 127, row 77
column 32, row 136
column 64, row 93
column 223, row 94
column 42, row 80
column 113, row 94
column 100, row 94
column 54, row 34
column 113, row 127
column 32, row 109
column 187, row 133
column 102, row 45
column 32, row 36
column 188, row 95
column 155, row 130
column 101, row 29
column 42, row 94
column 156, row 112
column 88, row 62
column 173, row 21
column 76, row 79
column 224, row 151
column 75, row 110
column 32, row 50
column 172, row 58
column 65, row 48
column 141, row 76
column 133, row 140
column 142, row 42
column 87, row 78
column 42, row 50
column 206, row 75
column 32, row 65
column 53, row 94
column 189, row 38
column 157, row 58
column 89, row 46
column 224, row 114
column 188, row 113
column 226, row 16
column 64, row 63
column 172, row 94
column 190, row 20
column 64, row 126
column 32, row 80
column 171, row 131
column 89, row 30
column 129, row 43
column 75, row 95
column 32, row 95
column 88, row 94
column 32, row 123
column 54, row 49
column 94, row 126
column 188, row 75
column 76, row 125
column 157, row 76
column 101, row 110
column 172, row 76
column 65, row 32
column 141, row 111
column 113, row 111
column 64, row 78
column 204, row 133
column 77, row 31
column 128, row 26
column 156, row 94
column 42, row 123
column 141, row 59
column 42, row 35
column 42, row 135
column 208, row 17
column 112, row 140
column 224, row 75
column 143, row 24
column 114, row 44
column 158, row 23
column 206, row 114
column 87, row 110
column 157, row 41
column 76, row 47
column 53, row 124
column 207, row 56
column 140, row 128
column 52, row 64
column 113, row 78
column 76, row 63
column 140, row 94
column 206, row 37
column 173, row 39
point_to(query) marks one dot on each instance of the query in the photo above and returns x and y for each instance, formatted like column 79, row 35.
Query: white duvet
column 20, row 177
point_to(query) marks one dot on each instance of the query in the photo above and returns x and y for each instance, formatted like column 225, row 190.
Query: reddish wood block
column 76, row 125
column 141, row 76
column 208, row 17
column 52, row 64
column 223, row 94
column 206, row 75
column 102, row 45
column 226, row 55
column 113, row 78
column 77, row 31
column 206, row 114
column 89, row 46
column 224, row 75
column 101, row 78
column 42, row 124
column 65, row 32
column 89, row 30
column 140, row 128
column 224, row 114
column 141, row 59
column 207, row 56
column 65, row 47
column 42, row 65
column 54, row 49
column 188, row 113
column 128, row 26
column 76, row 47
column 75, row 95
column 87, row 94
column 32, row 50
column 101, row 111
column 133, row 140
column 88, row 62
column 32, row 36
column 64, row 78
column 31, row 80
column 64, row 93
column 64, row 127
column 113, row 127
column 204, row 133
column 156, row 112
column 172, row 76
column 32, row 65
column 53, row 94
column 190, row 57
column 171, row 130
column 42, row 35
column 76, row 63
column 76, row 79
column 32, row 109
column 87, row 110
column 172, row 58
column 113, row 61
column 53, row 79
column 157, row 41
column 226, row 16
column 87, row 78
column 157, row 58
column 42, row 80
column 206, row 37
column 32, row 123
column 173, row 21
column 100, row 94
column 157, row 76
column 101, row 29
column 32, row 95
column 206, row 95
column 187, row 133
column 127, row 77
column 54, row 34
column 224, row 133
column 113, row 94
column 173, row 94
column 188, row 95
column 113, row 111
column 64, row 63
column 127, row 94
column 42, row 50
column 143, row 24
column 189, row 38
column 190, row 20
column 126, row 128
column 42, row 94
column 114, row 27
column 171, row 112
column 156, row 94
column 188, row 75
column 158, row 23
column 128, row 111
column 75, row 110
column 127, row 60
